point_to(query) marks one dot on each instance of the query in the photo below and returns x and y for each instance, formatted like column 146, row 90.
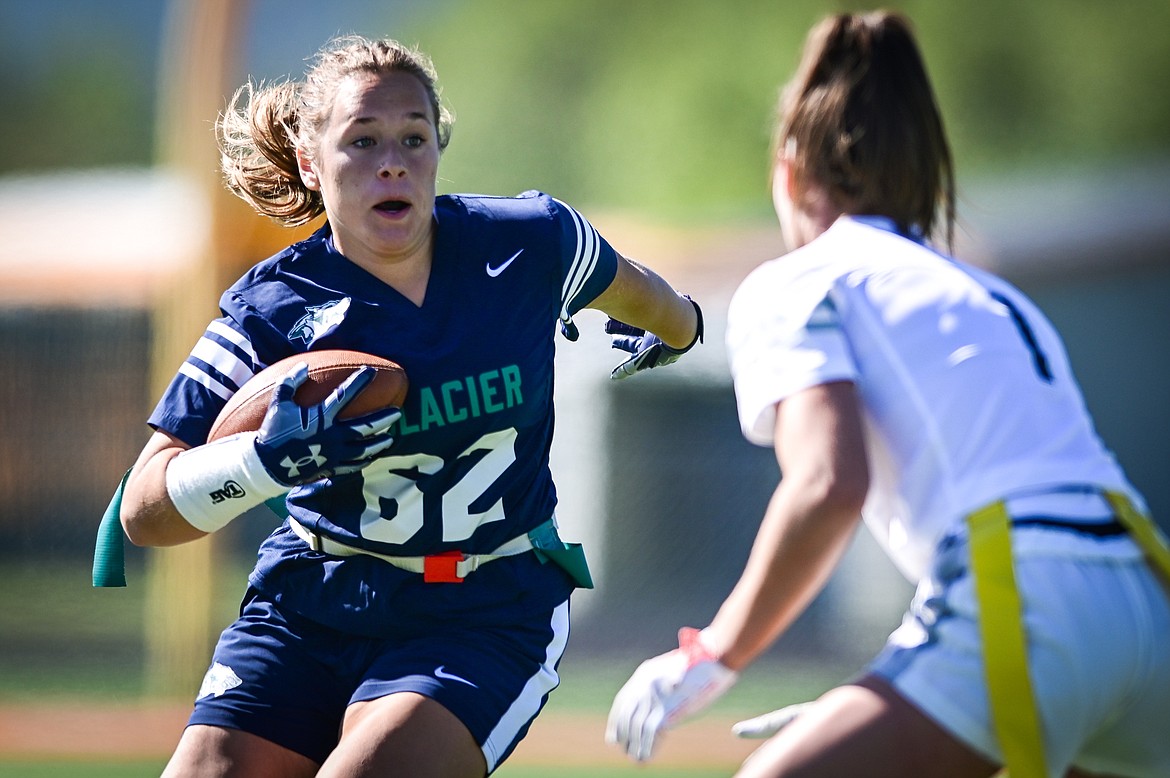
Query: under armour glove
column 297, row 445
column 769, row 723
column 663, row 691
column 647, row 348
column 212, row 484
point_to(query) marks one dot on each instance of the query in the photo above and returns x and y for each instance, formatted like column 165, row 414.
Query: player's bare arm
column 177, row 494
column 148, row 515
column 641, row 298
column 805, row 530
column 807, row 526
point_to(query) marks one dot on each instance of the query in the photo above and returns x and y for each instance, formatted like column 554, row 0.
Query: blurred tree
column 75, row 95
column 658, row 105
column 661, row 106
column 665, row 106
column 1050, row 82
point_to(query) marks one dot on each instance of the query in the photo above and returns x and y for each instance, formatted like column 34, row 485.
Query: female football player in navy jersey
column 409, row 616
column 937, row 402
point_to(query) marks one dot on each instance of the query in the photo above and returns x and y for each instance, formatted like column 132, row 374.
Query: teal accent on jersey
column 467, row 398
column 570, row 557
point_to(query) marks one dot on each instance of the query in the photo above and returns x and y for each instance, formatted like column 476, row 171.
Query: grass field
column 566, row 741
column 71, row 662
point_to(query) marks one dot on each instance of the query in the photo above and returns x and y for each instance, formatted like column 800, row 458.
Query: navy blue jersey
column 469, row 466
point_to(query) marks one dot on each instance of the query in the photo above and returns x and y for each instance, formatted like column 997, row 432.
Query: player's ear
column 782, row 176
column 308, row 173
column 782, row 187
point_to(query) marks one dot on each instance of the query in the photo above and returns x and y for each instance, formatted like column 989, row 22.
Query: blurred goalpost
column 199, row 69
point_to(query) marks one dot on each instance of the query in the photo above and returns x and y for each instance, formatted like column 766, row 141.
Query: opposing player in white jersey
column 409, row 616
column 937, row 402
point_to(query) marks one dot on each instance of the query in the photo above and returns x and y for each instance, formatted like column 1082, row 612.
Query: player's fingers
column 647, row 720
column 620, row 725
column 375, row 422
column 375, row 445
column 624, row 714
column 287, row 386
column 636, row 709
column 617, row 725
column 641, row 361
column 629, row 344
column 347, row 390
column 615, row 327
column 769, row 723
column 615, row 731
column 627, row 368
column 363, row 455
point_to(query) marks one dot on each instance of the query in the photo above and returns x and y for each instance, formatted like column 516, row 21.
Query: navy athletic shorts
column 289, row 679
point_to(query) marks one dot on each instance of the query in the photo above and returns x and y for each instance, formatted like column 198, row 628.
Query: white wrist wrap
column 214, row 483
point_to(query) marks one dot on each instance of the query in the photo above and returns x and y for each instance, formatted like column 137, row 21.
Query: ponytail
column 257, row 144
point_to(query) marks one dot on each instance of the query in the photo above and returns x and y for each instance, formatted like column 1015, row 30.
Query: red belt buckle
column 442, row 568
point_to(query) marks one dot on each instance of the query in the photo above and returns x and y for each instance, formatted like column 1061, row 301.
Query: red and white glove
column 665, row 690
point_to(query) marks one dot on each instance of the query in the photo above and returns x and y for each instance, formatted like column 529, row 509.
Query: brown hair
column 263, row 125
column 860, row 120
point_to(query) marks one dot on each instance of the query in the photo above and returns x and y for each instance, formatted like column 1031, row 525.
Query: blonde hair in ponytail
column 263, row 125
column 257, row 144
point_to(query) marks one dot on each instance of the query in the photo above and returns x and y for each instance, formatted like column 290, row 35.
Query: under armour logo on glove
column 334, row 446
column 313, row 461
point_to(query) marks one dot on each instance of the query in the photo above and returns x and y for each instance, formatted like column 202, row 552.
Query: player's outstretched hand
column 647, row 349
column 663, row 691
column 297, row 445
column 769, row 723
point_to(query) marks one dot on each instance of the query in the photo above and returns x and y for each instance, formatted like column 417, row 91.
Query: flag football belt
column 447, row 567
column 1009, row 688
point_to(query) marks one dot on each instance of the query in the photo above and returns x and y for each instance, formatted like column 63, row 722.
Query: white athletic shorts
column 1098, row 631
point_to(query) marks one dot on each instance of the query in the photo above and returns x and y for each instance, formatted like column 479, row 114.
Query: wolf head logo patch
column 319, row 320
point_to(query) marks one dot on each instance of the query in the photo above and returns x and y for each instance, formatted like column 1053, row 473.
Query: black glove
column 647, row 348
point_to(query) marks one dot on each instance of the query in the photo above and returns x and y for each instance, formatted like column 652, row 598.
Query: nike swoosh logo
column 439, row 671
column 495, row 271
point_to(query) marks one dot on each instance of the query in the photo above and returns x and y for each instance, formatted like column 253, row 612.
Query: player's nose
column 391, row 166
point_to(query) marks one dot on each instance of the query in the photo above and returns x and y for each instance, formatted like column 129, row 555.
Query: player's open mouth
column 392, row 206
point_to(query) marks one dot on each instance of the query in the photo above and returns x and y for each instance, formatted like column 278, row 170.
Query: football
column 327, row 369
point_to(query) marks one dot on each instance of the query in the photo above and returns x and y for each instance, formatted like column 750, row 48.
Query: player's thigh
column 1122, row 676
column 404, row 734
column 218, row 752
column 867, row 729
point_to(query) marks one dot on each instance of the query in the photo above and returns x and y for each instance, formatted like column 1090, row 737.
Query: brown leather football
column 327, row 369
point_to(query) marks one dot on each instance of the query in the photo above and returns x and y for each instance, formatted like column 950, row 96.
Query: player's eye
column 414, row 141
column 363, row 142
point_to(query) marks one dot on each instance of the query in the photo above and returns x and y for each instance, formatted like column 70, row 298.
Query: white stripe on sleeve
column 584, row 260
column 201, row 377
column 225, row 360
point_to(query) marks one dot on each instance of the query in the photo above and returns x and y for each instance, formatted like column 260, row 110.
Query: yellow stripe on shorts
column 1005, row 653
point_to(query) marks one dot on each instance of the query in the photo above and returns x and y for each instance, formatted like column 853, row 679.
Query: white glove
column 663, row 691
column 769, row 723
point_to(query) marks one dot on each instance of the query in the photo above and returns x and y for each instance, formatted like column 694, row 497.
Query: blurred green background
column 654, row 118
column 662, row 107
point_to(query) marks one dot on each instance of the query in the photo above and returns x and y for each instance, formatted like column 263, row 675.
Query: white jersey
column 966, row 389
